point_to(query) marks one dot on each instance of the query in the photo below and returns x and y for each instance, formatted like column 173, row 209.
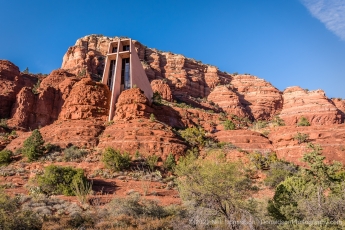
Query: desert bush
column 157, row 98
column 194, row 136
column 169, row 163
column 263, row 160
column 259, row 125
column 277, row 121
column 11, row 217
column 73, row 153
column 152, row 161
column 216, row 186
column 33, row 146
column 114, row 160
column 152, row 117
column 60, row 180
column 303, row 122
column 5, row 157
column 82, row 189
column 278, row 172
column 301, row 137
column 3, row 123
column 229, row 125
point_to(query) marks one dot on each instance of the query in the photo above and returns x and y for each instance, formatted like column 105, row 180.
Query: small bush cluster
column 3, row 123
column 5, row 157
column 152, row 161
column 229, row 125
column 170, row 163
column 59, row 180
column 278, row 172
column 114, row 160
column 301, row 137
column 194, row 136
column 73, row 153
column 263, row 161
column 303, row 122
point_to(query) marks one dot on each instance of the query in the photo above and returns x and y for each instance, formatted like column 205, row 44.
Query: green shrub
column 303, row 122
column 277, row 121
column 229, row 125
column 36, row 87
column 114, row 160
column 152, row 117
column 194, row 136
column 11, row 217
column 301, row 137
column 3, row 123
column 152, row 161
column 278, row 172
column 33, row 146
column 5, row 157
column 157, row 98
column 59, row 180
column 263, row 161
column 259, row 125
column 74, row 153
column 170, row 162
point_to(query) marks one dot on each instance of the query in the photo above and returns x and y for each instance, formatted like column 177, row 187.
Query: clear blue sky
column 286, row 42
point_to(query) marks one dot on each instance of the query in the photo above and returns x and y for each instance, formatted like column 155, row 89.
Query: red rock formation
column 330, row 137
column 340, row 104
column 245, row 139
column 82, row 133
column 162, row 88
column 261, row 99
column 314, row 105
column 86, row 57
column 132, row 104
column 11, row 82
column 228, row 100
column 133, row 130
column 87, row 99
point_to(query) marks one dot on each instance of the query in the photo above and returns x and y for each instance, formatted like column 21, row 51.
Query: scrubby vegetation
column 113, row 159
column 5, row 157
column 60, row 180
column 303, row 121
column 229, row 125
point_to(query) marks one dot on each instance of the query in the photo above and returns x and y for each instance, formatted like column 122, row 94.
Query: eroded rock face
column 63, row 96
column 133, row 130
column 330, row 137
column 162, row 88
column 259, row 97
column 81, row 133
column 245, row 139
column 143, row 135
column 11, row 82
column 228, row 100
column 313, row 105
column 340, row 104
column 86, row 58
column 87, row 99
column 132, row 104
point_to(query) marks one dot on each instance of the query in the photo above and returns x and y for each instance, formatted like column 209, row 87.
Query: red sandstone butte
column 313, row 105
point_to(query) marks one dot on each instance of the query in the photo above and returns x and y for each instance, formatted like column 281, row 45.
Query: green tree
column 195, row 136
column 314, row 194
column 301, row 137
column 33, row 146
column 216, row 185
column 229, row 125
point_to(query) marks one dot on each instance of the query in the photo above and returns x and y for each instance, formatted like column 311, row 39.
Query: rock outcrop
column 245, row 139
column 133, row 131
column 228, row 100
column 313, row 105
column 259, row 97
column 330, row 137
column 162, row 88
column 11, row 82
